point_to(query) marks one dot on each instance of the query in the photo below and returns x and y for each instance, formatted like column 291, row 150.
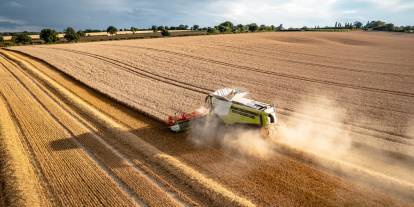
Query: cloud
column 118, row 6
column 13, row 4
column 16, row 25
column 293, row 12
column 98, row 14
column 19, row 28
column 11, row 21
column 392, row 5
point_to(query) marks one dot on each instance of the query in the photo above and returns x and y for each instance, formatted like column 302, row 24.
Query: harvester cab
column 231, row 106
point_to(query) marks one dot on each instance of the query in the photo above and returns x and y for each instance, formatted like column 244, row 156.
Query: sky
column 33, row 15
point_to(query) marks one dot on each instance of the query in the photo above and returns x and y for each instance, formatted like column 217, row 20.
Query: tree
column 81, row 33
column 389, row 27
column 134, row 29
column 160, row 28
column 182, row 27
column 223, row 28
column 165, row 32
column 71, row 35
column 49, row 35
column 195, row 27
column 357, row 24
column 240, row 28
column 1, row 39
column 22, row 38
column 112, row 30
column 154, row 28
column 280, row 27
column 262, row 27
column 227, row 24
column 211, row 30
column 253, row 27
column 375, row 25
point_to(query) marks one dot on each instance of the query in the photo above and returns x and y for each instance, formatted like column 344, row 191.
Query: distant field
column 355, row 88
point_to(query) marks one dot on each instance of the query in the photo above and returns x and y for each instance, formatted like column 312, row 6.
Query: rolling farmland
column 82, row 124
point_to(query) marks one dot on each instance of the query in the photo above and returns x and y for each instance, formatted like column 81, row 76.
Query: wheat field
column 89, row 118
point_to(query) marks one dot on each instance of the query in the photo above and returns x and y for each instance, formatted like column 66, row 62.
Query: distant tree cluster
column 134, row 29
column 49, row 35
column 156, row 28
column 384, row 26
column 165, row 32
column 22, row 38
column 373, row 25
column 111, row 30
column 229, row 27
column 71, row 35
column 92, row 30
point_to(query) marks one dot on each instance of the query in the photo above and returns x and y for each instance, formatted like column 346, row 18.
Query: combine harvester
column 232, row 107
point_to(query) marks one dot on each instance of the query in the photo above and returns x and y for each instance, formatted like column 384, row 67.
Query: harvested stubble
column 299, row 65
column 217, row 193
column 370, row 76
column 21, row 186
column 110, row 159
column 278, row 181
column 216, row 61
column 73, row 181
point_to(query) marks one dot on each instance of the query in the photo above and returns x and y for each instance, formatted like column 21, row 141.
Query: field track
column 119, row 156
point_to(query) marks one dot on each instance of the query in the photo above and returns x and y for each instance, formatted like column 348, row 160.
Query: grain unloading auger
column 232, row 107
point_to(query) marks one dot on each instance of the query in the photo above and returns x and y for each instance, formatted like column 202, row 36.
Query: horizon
column 32, row 16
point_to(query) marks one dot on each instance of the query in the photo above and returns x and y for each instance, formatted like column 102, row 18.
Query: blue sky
column 32, row 15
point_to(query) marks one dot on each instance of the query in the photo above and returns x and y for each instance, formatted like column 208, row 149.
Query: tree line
column 71, row 35
column 374, row 26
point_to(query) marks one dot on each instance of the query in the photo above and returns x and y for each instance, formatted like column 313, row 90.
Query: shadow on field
column 174, row 144
column 89, row 143
column 179, row 145
column 63, row 144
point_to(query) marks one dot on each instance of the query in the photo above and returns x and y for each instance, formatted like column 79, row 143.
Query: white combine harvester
column 232, row 107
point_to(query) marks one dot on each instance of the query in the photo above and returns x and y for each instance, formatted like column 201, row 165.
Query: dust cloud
column 242, row 142
column 321, row 131
column 317, row 129
column 305, row 134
